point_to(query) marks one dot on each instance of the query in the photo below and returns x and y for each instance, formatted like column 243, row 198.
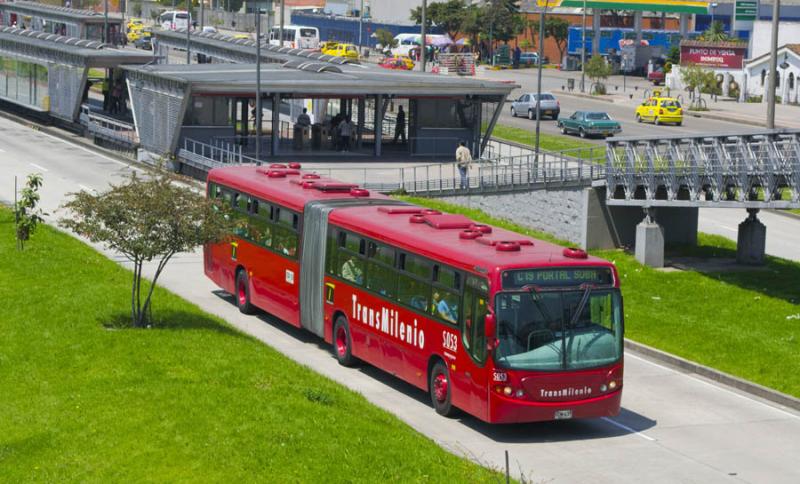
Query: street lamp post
column 280, row 29
column 424, row 33
column 539, row 86
column 188, row 32
column 258, row 85
column 583, row 47
column 105, row 21
column 773, row 65
column 713, row 8
column 360, row 23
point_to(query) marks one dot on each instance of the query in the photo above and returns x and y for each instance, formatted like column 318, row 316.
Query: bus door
column 471, row 377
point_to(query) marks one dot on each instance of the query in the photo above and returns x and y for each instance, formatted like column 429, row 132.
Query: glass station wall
column 24, row 83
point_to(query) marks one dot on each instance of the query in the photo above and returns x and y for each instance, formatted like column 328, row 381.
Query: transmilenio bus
column 504, row 327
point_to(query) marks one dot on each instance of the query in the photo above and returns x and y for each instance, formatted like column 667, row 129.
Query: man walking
column 400, row 127
column 463, row 161
column 345, row 132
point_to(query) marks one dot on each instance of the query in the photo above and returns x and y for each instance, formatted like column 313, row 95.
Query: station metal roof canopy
column 56, row 12
column 314, row 79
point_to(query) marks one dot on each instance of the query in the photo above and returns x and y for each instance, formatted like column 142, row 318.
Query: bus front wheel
column 342, row 343
column 243, row 293
column 441, row 391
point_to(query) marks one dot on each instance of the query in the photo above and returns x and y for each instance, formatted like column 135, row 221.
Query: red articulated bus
column 504, row 327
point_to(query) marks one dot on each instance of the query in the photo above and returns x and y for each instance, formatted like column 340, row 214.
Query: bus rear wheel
column 440, row 389
column 343, row 343
column 243, row 293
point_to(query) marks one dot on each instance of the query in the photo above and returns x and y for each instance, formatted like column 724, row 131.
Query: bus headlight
column 612, row 384
column 507, row 391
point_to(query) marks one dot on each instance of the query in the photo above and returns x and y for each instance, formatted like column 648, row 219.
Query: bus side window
column 351, row 262
column 475, row 310
column 414, row 282
column 331, row 250
column 381, row 274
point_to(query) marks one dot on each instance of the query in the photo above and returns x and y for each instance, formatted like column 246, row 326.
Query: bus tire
column 243, row 293
column 343, row 343
column 440, row 385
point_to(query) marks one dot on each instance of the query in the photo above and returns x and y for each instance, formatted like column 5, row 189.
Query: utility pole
column 188, row 32
column 583, row 48
column 105, row 21
column 360, row 24
column 202, row 14
column 424, row 31
column 539, row 86
column 773, row 65
column 258, row 84
column 280, row 30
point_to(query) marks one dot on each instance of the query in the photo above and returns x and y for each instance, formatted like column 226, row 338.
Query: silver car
column 526, row 106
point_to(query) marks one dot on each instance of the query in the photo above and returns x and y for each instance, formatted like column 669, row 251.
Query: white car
column 525, row 105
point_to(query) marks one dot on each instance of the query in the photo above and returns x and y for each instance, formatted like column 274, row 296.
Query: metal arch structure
column 753, row 170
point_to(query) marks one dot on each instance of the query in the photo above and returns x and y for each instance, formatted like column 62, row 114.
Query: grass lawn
column 192, row 400
column 549, row 142
column 796, row 212
column 745, row 323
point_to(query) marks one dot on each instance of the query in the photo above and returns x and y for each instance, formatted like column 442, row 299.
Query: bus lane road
column 673, row 427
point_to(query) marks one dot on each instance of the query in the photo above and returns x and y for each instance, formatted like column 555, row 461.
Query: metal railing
column 109, row 128
column 513, row 173
column 756, row 169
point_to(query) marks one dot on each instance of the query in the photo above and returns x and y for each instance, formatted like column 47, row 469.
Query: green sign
column 744, row 14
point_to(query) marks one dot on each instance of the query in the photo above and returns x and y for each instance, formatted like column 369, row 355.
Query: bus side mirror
column 490, row 329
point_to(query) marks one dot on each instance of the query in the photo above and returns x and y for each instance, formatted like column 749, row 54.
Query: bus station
column 68, row 22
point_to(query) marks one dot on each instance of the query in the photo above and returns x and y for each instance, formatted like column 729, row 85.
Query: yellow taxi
column 242, row 36
column 134, row 28
column 135, row 24
column 329, row 44
column 343, row 50
column 660, row 110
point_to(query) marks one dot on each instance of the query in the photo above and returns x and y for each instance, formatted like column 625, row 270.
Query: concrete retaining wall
column 581, row 216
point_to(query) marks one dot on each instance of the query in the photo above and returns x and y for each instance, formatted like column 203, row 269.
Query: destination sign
column 557, row 276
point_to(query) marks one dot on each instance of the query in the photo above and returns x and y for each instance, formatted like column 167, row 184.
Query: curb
column 722, row 117
column 587, row 96
column 735, row 382
column 784, row 213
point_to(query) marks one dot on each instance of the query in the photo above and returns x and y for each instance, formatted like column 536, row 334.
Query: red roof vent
column 417, row 218
column 278, row 165
column 333, row 186
column 447, row 221
column 276, row 174
column 507, row 246
column 496, row 243
column 359, row 192
column 399, row 210
column 484, row 229
column 575, row 253
column 310, row 176
column 291, row 171
column 430, row 211
column 469, row 234
column 295, row 166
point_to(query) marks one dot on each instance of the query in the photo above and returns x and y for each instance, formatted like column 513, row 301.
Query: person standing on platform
column 463, row 161
column 400, row 127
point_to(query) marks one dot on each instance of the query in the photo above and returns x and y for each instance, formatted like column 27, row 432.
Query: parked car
column 525, row 105
column 144, row 40
column 342, row 50
column 530, row 59
column 660, row 110
column 397, row 62
column 209, row 29
column 589, row 123
column 657, row 76
column 242, row 36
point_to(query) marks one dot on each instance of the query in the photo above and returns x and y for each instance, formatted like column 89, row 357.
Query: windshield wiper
column 575, row 316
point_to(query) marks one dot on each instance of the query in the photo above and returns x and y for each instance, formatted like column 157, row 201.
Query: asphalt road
column 673, row 427
column 553, row 80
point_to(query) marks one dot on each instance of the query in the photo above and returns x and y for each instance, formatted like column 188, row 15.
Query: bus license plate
column 563, row 414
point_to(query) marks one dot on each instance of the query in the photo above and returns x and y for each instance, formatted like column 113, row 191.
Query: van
column 296, row 37
column 407, row 42
column 174, row 20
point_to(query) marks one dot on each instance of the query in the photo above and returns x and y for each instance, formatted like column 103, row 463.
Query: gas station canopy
column 670, row 6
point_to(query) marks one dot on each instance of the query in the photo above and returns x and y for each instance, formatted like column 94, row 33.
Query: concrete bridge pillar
column 684, row 24
column 637, row 26
column 650, row 241
column 752, row 239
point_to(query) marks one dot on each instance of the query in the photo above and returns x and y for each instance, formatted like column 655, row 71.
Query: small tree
column 26, row 214
column 715, row 33
column 558, row 29
column 447, row 15
column 598, row 70
column 699, row 81
column 147, row 220
column 385, row 38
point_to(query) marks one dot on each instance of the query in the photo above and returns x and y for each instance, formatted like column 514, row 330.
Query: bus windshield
column 558, row 329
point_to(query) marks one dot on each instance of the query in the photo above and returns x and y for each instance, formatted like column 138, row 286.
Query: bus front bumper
column 503, row 409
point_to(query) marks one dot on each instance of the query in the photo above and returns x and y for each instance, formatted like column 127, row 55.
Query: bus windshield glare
column 564, row 329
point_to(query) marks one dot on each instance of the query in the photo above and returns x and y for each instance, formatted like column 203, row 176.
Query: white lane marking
column 716, row 386
column 729, row 228
column 38, row 167
column 625, row 427
column 87, row 150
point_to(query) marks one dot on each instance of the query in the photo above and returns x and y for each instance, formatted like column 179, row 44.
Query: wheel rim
column 341, row 341
column 242, row 292
column 440, row 387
